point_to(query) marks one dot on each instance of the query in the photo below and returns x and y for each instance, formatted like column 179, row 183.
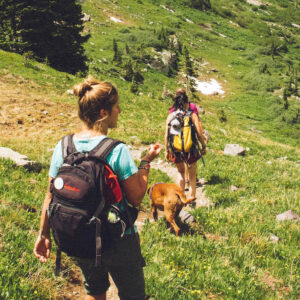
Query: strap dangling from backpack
column 57, row 261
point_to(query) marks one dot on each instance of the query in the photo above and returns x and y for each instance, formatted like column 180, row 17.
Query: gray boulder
column 234, row 150
column 186, row 217
column 20, row 160
column 288, row 215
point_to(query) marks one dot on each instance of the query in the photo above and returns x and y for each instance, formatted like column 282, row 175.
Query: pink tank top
column 193, row 108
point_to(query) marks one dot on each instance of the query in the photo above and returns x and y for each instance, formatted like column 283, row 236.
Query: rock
column 175, row 42
column 288, row 215
column 165, row 62
column 234, row 150
column 233, row 188
column 186, row 217
column 274, row 238
column 20, row 160
column 200, row 109
column 223, row 131
column 85, row 17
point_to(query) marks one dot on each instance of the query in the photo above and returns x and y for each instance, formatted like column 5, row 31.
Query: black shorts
column 124, row 265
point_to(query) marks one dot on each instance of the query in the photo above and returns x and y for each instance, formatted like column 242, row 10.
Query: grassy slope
column 238, row 260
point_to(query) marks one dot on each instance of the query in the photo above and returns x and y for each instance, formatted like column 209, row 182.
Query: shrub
column 261, row 82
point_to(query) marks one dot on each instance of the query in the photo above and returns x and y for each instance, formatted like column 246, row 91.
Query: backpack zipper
column 81, row 211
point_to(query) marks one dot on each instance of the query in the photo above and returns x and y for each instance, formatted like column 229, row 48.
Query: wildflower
column 35, row 292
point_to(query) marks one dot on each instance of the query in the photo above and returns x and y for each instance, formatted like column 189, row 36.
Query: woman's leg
column 186, row 174
column 181, row 170
column 192, row 170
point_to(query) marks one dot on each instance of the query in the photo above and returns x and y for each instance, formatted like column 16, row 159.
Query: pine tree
column 10, row 24
column 127, row 50
column 128, row 71
column 200, row 4
column 188, row 63
column 66, row 39
column 285, row 99
column 51, row 29
column 117, row 55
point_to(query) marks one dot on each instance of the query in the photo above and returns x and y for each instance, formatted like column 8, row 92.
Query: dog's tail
column 183, row 199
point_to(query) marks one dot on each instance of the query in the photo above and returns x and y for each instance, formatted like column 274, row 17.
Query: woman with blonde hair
column 99, row 109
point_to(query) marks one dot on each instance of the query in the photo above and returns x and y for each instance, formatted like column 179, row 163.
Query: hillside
column 247, row 49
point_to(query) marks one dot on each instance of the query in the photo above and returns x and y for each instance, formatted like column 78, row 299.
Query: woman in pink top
column 192, row 106
column 187, row 172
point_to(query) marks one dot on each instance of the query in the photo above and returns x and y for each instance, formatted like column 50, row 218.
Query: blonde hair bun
column 80, row 89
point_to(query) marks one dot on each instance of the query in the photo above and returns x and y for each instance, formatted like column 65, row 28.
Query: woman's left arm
column 199, row 130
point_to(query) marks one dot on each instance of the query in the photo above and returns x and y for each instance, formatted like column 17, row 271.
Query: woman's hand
column 42, row 248
column 167, row 155
column 203, row 150
column 153, row 152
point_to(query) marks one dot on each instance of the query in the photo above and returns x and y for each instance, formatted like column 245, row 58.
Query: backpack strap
column 103, row 149
column 68, row 146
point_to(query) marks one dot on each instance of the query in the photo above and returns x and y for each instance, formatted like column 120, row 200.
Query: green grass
column 238, row 259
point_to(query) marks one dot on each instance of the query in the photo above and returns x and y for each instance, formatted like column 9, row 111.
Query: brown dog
column 170, row 198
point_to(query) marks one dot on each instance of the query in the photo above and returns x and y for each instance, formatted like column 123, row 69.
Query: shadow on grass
column 216, row 179
column 225, row 201
column 186, row 229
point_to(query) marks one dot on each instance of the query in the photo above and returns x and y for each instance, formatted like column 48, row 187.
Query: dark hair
column 93, row 96
column 180, row 101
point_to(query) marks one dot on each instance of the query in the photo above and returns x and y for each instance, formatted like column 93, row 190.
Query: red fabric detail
column 112, row 190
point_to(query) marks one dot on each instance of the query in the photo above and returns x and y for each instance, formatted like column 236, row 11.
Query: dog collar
column 153, row 188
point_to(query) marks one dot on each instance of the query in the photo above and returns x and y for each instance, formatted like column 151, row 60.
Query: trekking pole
column 203, row 160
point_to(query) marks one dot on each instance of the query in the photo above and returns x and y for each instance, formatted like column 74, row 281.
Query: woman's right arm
column 42, row 245
column 136, row 185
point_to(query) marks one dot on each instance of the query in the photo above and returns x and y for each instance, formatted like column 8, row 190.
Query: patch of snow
column 116, row 20
column 189, row 21
column 222, row 35
column 254, row 2
column 169, row 9
column 208, row 88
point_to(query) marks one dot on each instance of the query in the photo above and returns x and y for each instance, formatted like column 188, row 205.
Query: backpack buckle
column 94, row 220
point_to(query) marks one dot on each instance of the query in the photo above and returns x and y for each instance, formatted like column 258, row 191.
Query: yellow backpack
column 181, row 132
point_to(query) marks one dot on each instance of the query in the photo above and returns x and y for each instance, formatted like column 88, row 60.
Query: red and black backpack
column 83, row 214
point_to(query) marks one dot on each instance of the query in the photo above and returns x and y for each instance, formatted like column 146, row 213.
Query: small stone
column 70, row 92
column 45, row 112
column 233, row 188
column 223, row 131
column 274, row 238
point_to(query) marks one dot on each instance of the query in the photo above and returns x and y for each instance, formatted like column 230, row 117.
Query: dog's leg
column 184, row 200
column 187, row 201
column 170, row 218
column 154, row 212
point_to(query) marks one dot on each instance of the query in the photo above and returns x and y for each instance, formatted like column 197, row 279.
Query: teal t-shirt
column 119, row 159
